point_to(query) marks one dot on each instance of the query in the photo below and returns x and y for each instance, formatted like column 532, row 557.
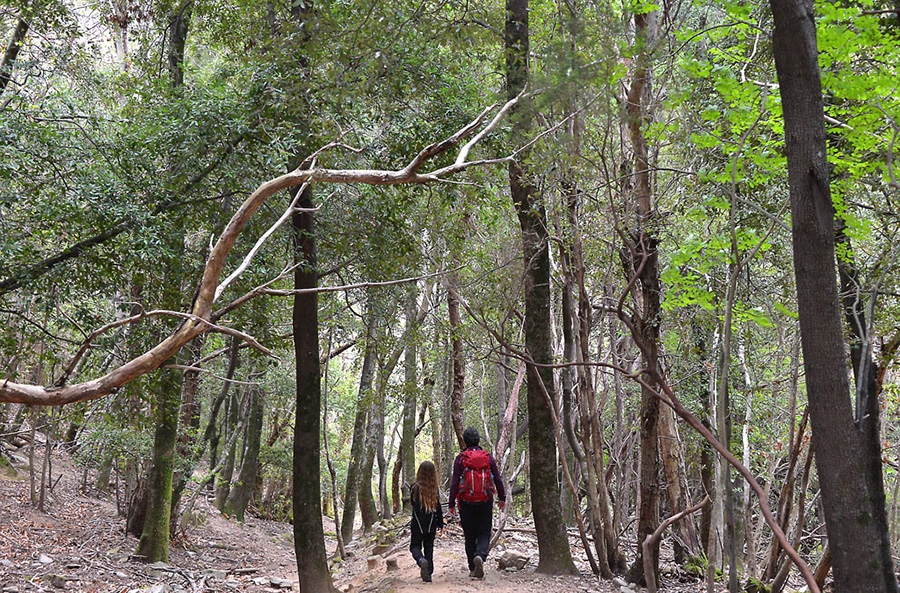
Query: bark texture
column 553, row 544
column 642, row 262
column 357, row 446
column 241, row 491
column 840, row 451
column 12, row 52
column 309, row 535
column 154, row 543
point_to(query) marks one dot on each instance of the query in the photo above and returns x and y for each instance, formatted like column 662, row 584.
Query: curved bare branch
column 198, row 320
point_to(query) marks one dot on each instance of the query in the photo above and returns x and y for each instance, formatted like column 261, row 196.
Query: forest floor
column 79, row 544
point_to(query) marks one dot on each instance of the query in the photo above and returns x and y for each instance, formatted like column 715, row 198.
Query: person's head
column 426, row 472
column 471, row 437
column 426, row 479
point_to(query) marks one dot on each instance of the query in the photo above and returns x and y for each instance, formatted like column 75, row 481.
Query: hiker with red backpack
column 475, row 479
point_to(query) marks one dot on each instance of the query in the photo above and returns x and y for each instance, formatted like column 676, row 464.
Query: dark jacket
column 457, row 477
column 422, row 520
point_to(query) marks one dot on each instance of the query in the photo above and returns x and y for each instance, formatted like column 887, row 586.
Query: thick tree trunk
column 868, row 408
column 12, row 52
column 179, row 21
column 841, row 451
column 553, row 544
column 154, row 543
column 309, row 535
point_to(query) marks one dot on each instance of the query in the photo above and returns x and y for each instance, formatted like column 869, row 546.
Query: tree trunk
column 309, row 534
column 553, row 544
column 368, row 510
column 840, row 451
column 179, row 21
column 357, row 446
column 120, row 19
column 458, row 394
column 211, row 434
column 12, row 52
column 407, row 454
column 868, row 408
column 643, row 264
column 384, row 502
column 449, row 440
column 239, row 497
column 223, row 479
column 686, row 543
column 154, row 543
column 189, row 424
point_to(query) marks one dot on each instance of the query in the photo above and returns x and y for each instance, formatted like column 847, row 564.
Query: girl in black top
column 427, row 518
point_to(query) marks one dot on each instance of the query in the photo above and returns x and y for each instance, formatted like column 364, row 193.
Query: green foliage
column 108, row 442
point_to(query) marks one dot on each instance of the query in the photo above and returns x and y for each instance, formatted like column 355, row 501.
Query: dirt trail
column 451, row 575
column 79, row 545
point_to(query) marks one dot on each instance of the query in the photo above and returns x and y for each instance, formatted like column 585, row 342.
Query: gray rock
column 215, row 574
column 512, row 559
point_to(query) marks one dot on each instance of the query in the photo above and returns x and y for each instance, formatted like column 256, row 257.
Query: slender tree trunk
column 841, row 451
column 621, row 459
column 458, row 394
column 189, row 423
column 553, row 545
column 358, row 445
column 644, row 264
column 725, row 485
column 449, row 440
column 223, row 478
column 383, row 501
column 211, row 434
column 239, row 497
column 368, row 510
column 407, row 455
column 686, row 543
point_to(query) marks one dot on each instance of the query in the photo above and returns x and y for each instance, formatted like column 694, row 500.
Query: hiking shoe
column 424, row 570
column 478, row 573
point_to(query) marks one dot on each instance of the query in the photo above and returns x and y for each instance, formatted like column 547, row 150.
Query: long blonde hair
column 426, row 480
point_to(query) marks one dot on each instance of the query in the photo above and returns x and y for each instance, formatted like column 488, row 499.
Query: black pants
column 475, row 519
column 422, row 545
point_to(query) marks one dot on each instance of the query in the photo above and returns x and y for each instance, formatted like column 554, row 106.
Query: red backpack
column 477, row 483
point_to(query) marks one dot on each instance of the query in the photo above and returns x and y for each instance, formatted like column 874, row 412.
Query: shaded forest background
column 363, row 226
